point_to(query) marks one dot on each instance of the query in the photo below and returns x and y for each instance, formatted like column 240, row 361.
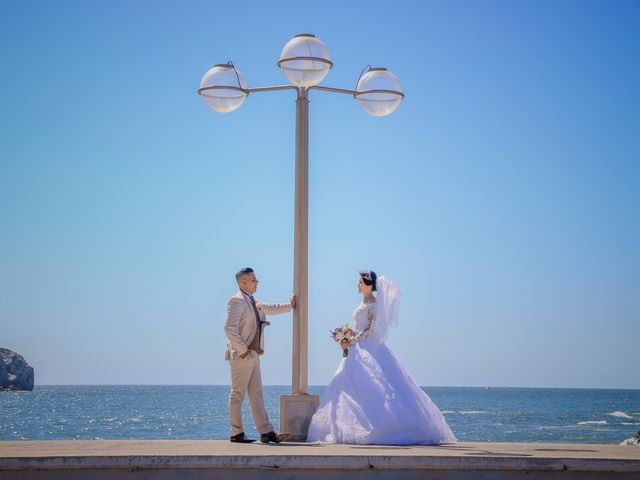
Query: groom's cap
column 244, row 271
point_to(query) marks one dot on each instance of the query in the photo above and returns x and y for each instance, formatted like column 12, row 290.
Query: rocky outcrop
column 15, row 372
column 635, row 440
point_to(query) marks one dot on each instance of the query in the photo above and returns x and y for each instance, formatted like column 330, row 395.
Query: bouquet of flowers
column 344, row 332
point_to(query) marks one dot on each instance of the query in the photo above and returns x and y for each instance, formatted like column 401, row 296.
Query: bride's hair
column 369, row 278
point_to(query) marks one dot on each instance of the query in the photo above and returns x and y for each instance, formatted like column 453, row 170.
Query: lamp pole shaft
column 301, row 247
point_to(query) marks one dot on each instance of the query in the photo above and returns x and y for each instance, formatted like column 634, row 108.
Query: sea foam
column 465, row 412
column 619, row 414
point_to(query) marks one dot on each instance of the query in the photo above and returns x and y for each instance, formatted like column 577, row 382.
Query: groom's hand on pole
column 293, row 301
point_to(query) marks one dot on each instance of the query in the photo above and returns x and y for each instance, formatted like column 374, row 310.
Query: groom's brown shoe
column 275, row 437
column 241, row 438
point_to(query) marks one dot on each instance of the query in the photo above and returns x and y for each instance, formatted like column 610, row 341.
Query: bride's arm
column 365, row 333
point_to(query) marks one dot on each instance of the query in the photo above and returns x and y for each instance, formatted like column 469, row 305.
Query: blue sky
column 502, row 195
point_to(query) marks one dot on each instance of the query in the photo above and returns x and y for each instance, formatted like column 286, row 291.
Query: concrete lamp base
column 296, row 412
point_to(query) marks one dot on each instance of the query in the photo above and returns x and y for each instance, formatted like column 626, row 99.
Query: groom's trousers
column 246, row 378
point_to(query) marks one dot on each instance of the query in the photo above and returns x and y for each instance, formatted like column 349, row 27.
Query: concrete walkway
column 222, row 459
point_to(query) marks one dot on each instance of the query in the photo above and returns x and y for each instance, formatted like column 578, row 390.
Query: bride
column 372, row 399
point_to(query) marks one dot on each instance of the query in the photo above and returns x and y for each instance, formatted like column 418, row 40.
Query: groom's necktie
column 255, row 341
column 255, row 308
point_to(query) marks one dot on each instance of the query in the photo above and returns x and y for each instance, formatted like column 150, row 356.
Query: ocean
column 68, row 412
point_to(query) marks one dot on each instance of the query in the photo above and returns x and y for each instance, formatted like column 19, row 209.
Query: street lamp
column 305, row 61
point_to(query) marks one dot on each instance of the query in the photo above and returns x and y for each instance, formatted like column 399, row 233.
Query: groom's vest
column 255, row 341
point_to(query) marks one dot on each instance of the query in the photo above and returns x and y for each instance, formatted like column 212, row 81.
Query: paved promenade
column 222, row 459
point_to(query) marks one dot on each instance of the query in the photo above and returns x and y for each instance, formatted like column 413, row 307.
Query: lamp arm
column 353, row 93
column 335, row 90
column 271, row 89
column 249, row 90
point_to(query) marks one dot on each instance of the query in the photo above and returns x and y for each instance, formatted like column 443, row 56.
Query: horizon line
column 485, row 387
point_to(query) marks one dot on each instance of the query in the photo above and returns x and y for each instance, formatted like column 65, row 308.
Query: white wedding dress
column 372, row 399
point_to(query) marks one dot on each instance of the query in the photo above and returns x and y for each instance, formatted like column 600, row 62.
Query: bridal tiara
column 366, row 274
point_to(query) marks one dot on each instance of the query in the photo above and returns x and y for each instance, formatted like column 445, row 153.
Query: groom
column 244, row 325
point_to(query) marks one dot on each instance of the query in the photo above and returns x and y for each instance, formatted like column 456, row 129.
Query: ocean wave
column 465, row 412
column 619, row 414
column 630, row 423
column 593, row 422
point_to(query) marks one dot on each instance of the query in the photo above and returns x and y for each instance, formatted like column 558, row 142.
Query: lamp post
column 305, row 61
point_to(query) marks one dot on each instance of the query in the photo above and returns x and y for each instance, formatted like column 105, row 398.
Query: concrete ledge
column 200, row 459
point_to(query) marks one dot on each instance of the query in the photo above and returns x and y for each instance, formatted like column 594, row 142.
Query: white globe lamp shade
column 304, row 60
column 222, row 87
column 379, row 92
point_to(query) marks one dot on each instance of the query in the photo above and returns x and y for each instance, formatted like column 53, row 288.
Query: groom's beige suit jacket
column 240, row 323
